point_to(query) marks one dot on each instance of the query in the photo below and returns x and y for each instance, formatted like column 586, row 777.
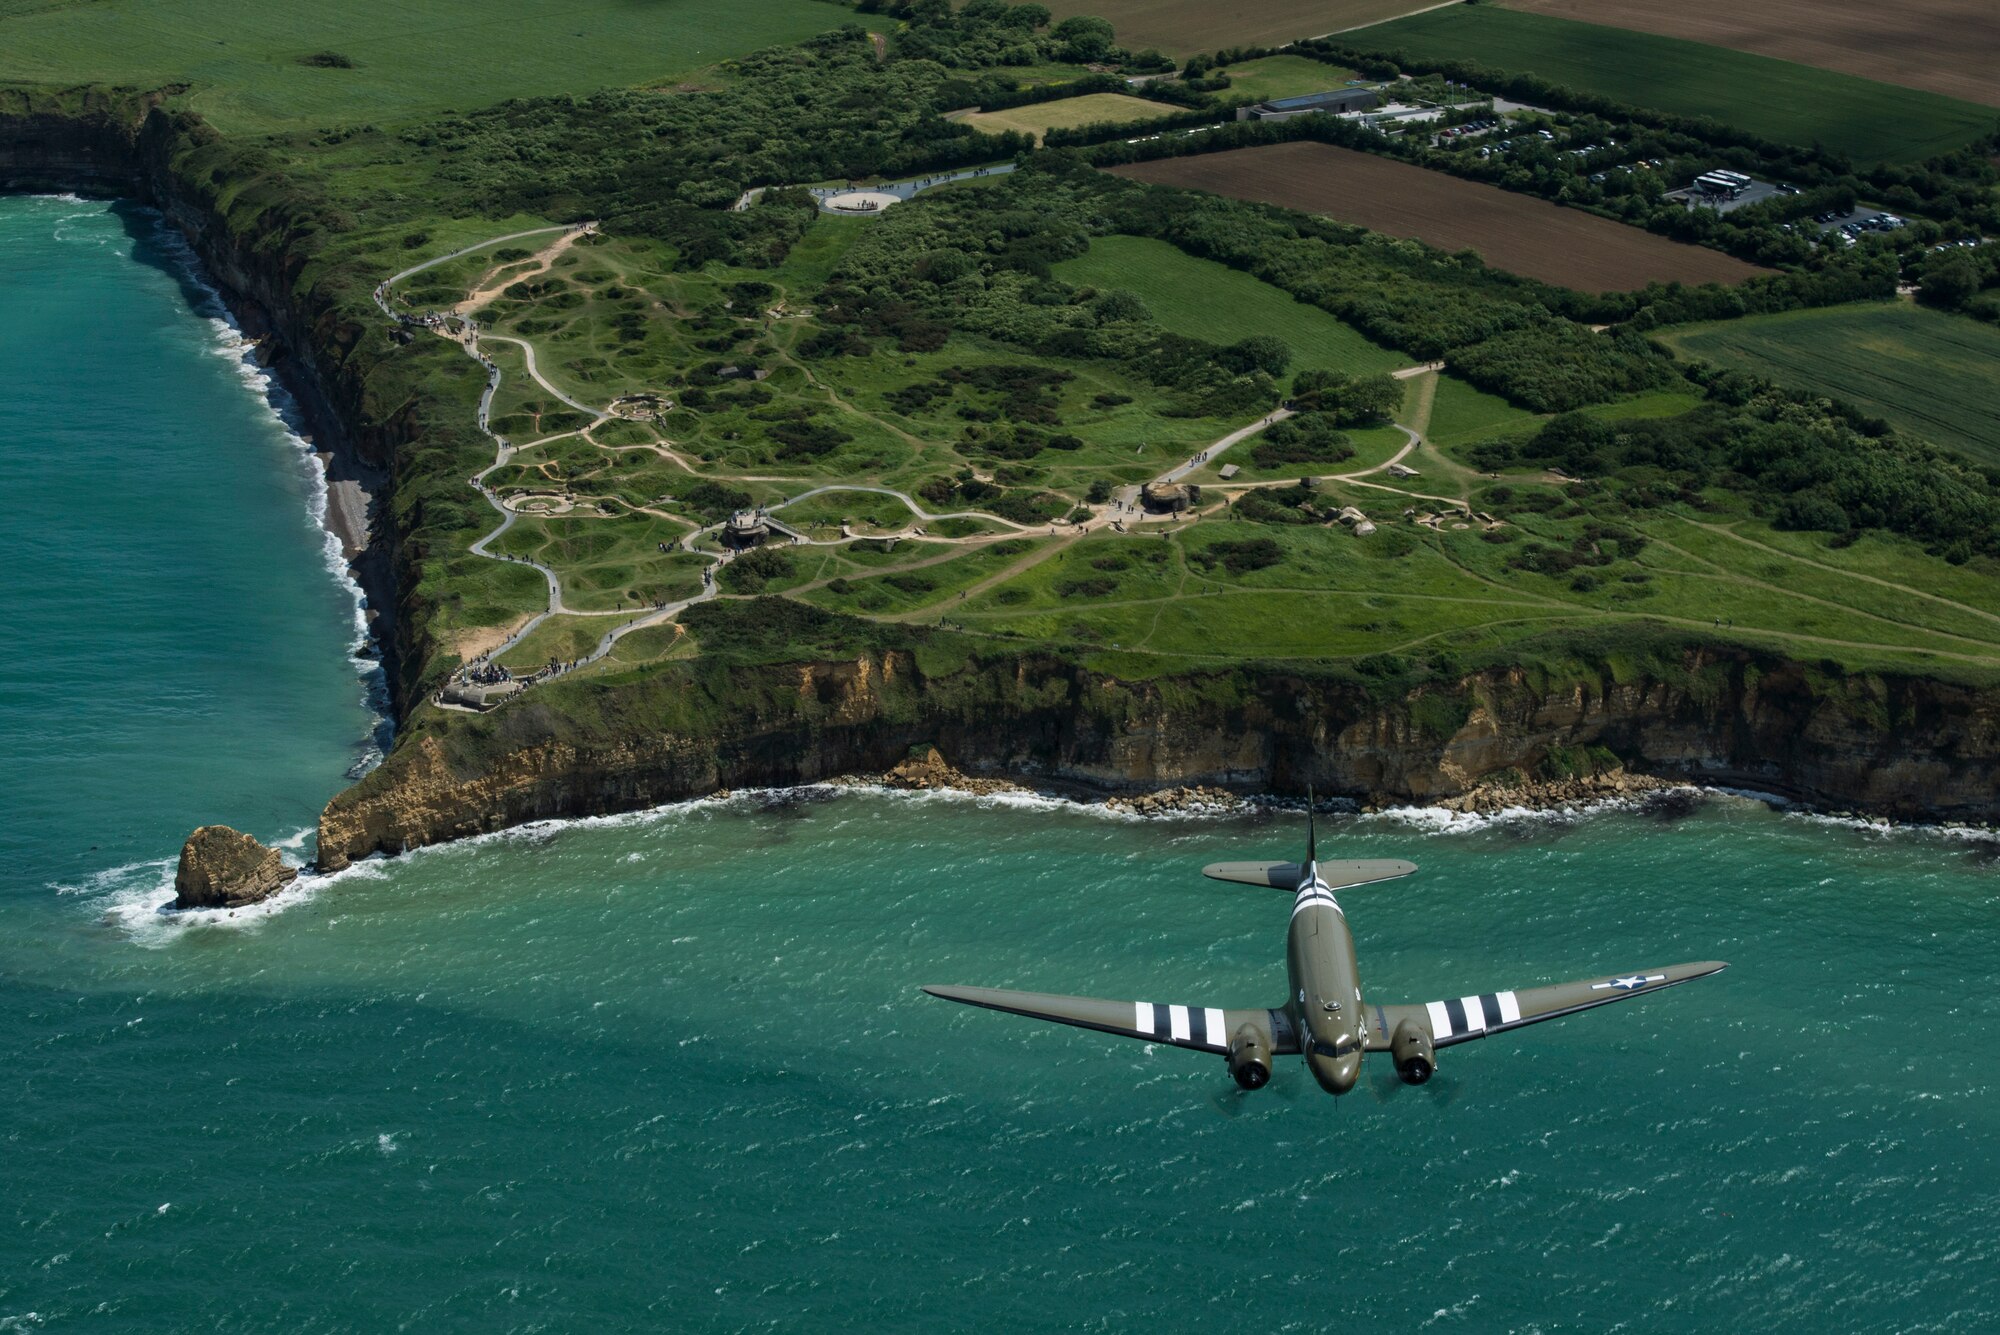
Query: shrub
column 1239, row 556
column 758, row 568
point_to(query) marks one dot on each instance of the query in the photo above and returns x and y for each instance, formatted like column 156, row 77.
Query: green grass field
column 620, row 314
column 1203, row 299
column 1038, row 118
column 243, row 61
column 1148, row 606
column 1934, row 375
column 1272, row 77
column 1869, row 121
column 1184, row 27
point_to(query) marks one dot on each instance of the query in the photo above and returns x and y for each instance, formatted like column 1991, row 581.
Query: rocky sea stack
column 223, row 868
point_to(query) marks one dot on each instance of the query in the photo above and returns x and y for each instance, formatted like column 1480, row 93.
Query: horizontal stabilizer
column 1285, row 875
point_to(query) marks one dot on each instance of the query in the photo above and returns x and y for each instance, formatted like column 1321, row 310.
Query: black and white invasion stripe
column 1461, row 1016
column 1314, row 894
column 1188, row 1026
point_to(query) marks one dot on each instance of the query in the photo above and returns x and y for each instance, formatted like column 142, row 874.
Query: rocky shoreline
column 929, row 771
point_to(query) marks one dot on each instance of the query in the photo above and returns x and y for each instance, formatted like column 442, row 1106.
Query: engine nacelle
column 1411, row 1050
column 1249, row 1058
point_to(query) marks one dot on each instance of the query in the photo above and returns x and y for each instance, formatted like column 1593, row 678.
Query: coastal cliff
column 856, row 699
column 122, row 143
column 1908, row 748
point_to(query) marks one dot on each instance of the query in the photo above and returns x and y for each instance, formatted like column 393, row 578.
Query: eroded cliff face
column 1907, row 748
column 85, row 142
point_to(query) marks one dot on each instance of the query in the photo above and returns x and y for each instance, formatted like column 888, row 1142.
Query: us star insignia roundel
column 1631, row 982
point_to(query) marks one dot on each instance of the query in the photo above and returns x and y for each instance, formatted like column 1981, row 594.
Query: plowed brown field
column 1513, row 232
column 1184, row 27
column 1942, row 46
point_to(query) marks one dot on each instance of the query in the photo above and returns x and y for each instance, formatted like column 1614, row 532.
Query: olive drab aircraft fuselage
column 1325, row 1019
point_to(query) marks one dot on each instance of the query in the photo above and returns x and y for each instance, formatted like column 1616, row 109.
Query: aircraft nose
column 1336, row 1075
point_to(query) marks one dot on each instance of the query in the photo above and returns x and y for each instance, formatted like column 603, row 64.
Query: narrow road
column 544, row 260
column 1207, row 456
column 463, row 251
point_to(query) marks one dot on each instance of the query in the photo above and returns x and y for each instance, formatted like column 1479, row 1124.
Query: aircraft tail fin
column 1312, row 830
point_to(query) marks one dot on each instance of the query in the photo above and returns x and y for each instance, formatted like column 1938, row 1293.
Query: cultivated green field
column 244, row 60
column 1869, row 121
column 1934, row 375
column 1184, row 27
column 1273, row 77
column 1203, row 299
column 1038, row 118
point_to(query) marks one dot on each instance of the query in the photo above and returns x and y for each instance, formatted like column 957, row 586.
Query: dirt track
column 1943, row 46
column 1514, row 232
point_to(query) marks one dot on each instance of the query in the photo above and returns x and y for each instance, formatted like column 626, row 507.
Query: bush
column 1307, row 439
column 1360, row 400
column 1811, row 510
column 757, row 569
column 1239, row 556
column 713, row 501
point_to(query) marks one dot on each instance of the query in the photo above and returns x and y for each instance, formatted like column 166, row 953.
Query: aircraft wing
column 1336, row 875
column 1203, row 1028
column 1461, row 1019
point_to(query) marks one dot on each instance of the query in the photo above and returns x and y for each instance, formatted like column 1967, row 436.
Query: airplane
column 1325, row 1019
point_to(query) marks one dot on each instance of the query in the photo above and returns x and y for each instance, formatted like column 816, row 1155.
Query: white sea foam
column 1440, row 821
column 287, row 417
column 138, row 900
column 1882, row 827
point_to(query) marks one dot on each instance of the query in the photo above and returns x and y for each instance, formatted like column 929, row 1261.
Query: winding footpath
column 469, row 338
column 459, row 325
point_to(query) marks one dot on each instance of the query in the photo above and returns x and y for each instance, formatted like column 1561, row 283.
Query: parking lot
column 1754, row 193
column 1857, row 223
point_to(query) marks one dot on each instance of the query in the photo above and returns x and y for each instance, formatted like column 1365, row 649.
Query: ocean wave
column 286, row 414
column 63, row 234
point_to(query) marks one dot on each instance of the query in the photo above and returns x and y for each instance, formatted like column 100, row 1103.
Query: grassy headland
column 951, row 405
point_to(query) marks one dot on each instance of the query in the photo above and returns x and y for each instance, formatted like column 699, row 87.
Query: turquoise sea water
column 670, row 1071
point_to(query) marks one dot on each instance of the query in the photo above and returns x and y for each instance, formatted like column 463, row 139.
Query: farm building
column 1337, row 102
